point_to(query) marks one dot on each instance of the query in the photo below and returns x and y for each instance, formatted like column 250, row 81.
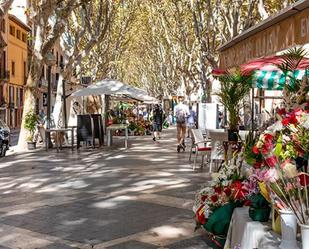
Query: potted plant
column 234, row 87
column 30, row 124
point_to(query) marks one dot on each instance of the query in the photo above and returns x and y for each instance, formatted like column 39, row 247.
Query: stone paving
column 139, row 198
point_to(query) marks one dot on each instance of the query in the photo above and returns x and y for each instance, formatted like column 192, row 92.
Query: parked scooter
column 4, row 138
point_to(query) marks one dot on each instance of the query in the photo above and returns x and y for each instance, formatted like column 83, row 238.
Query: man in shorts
column 181, row 112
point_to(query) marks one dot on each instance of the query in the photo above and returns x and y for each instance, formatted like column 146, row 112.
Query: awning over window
column 275, row 80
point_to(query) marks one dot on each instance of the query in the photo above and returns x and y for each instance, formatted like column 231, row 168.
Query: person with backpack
column 158, row 118
column 181, row 112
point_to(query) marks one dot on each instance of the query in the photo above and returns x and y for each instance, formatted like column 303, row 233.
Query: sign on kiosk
column 284, row 34
column 207, row 116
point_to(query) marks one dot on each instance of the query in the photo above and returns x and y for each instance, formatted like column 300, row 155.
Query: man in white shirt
column 181, row 111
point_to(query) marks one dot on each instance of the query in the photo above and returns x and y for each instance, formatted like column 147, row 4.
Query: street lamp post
column 50, row 60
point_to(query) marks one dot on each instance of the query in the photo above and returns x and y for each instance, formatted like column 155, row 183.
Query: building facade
column 17, row 64
column 13, row 69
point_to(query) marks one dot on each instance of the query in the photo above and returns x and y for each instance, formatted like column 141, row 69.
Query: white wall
column 18, row 9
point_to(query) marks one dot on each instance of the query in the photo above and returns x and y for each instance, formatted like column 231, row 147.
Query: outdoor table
column 115, row 127
column 247, row 234
column 58, row 131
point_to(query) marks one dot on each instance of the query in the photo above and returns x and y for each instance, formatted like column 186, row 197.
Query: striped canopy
column 266, row 74
column 276, row 79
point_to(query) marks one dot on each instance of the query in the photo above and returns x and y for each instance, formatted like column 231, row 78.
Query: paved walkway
column 140, row 198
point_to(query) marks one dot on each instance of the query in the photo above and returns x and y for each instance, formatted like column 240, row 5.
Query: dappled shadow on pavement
column 103, row 197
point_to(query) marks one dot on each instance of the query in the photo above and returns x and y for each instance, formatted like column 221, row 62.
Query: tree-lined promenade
column 158, row 45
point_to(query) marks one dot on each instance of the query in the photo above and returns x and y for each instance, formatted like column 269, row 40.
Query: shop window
column 21, row 94
column 11, row 94
column 24, row 38
column 18, row 34
column 12, row 30
column 17, row 92
column 13, row 68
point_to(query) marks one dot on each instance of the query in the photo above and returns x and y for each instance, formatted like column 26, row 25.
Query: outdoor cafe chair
column 217, row 137
column 200, row 145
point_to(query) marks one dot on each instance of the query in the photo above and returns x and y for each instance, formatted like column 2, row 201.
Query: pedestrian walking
column 181, row 112
column 157, row 122
column 40, row 129
column 191, row 120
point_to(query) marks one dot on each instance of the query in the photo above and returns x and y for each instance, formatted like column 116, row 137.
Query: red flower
column 255, row 150
column 238, row 191
column 303, row 179
column 247, row 203
column 293, row 119
column 227, row 191
column 214, row 198
column 271, row 161
column 204, row 197
column 257, row 165
column 285, row 121
column 281, row 111
column 218, row 190
column 268, row 137
column 264, row 150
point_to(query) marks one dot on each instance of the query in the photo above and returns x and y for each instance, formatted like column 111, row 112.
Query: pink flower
column 271, row 175
column 289, row 187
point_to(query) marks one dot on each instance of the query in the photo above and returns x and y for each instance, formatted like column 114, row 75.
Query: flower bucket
column 304, row 235
column 288, row 230
column 259, row 214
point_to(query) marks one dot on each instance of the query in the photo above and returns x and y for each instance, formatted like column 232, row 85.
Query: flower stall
column 266, row 181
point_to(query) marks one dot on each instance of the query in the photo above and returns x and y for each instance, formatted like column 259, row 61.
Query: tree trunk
column 58, row 103
column 29, row 104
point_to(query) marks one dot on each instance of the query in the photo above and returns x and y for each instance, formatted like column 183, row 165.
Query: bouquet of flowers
column 285, row 149
column 214, row 204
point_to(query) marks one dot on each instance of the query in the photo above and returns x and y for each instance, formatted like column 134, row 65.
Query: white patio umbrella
column 110, row 86
column 107, row 86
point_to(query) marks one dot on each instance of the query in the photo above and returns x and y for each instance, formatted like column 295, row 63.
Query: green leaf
column 278, row 148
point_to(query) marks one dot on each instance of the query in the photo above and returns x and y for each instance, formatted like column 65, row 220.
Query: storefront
column 257, row 49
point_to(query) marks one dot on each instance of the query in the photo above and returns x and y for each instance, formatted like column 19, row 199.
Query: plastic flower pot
column 31, row 145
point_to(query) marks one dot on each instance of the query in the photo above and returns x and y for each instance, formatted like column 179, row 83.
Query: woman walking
column 157, row 122
column 191, row 119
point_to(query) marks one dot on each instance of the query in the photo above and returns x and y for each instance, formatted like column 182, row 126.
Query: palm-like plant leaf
column 290, row 62
column 234, row 87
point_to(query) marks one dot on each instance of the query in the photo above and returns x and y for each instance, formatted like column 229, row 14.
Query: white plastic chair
column 200, row 145
column 217, row 137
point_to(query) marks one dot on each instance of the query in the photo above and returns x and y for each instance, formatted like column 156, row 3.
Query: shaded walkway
column 138, row 198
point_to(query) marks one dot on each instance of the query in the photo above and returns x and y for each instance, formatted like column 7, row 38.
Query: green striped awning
column 276, row 80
